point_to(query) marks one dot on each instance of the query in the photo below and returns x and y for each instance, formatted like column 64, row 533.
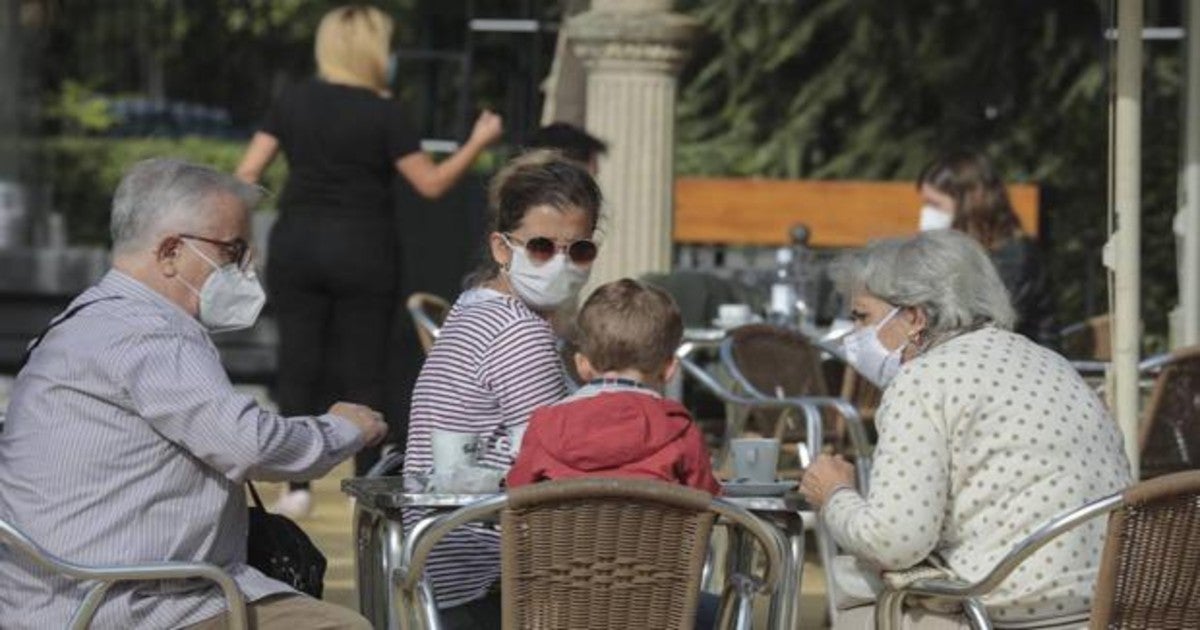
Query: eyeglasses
column 542, row 249
column 236, row 251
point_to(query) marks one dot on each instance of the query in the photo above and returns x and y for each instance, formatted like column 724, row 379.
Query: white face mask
column 867, row 355
column 548, row 285
column 230, row 299
column 934, row 218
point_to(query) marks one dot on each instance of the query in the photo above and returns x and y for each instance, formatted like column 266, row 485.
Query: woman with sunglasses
column 495, row 360
column 332, row 270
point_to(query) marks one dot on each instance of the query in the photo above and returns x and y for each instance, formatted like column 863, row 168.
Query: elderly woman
column 983, row 436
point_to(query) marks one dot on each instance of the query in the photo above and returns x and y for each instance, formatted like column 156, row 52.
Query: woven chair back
column 593, row 554
column 1170, row 439
column 776, row 360
column 1150, row 571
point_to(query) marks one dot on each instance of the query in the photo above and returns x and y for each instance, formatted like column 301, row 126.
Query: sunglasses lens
column 540, row 248
column 582, row 252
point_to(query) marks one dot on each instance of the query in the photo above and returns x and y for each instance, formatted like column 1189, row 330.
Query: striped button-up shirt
column 125, row 443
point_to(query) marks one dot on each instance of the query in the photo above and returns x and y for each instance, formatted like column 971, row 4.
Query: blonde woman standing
column 332, row 270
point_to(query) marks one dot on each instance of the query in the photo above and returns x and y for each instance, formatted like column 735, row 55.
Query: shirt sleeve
column 899, row 522
column 522, row 370
column 402, row 139
column 695, row 466
column 177, row 385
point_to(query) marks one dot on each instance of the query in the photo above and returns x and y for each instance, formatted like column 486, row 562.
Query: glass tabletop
column 393, row 493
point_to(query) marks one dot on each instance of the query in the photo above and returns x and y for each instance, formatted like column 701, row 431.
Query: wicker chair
column 1149, row 574
column 599, row 553
column 1170, row 431
column 105, row 577
column 428, row 311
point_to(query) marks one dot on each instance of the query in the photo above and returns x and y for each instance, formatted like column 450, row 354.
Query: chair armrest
column 773, row 544
column 1154, row 363
column 109, row 575
column 958, row 589
column 418, row 315
column 427, row 533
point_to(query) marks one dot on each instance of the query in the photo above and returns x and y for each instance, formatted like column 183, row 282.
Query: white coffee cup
column 453, row 449
column 734, row 314
column 754, row 459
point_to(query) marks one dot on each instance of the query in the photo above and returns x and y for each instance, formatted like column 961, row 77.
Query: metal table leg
column 785, row 602
column 368, row 556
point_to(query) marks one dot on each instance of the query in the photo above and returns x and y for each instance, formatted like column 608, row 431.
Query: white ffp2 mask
column 934, row 218
column 230, row 299
column 548, row 285
column 867, row 355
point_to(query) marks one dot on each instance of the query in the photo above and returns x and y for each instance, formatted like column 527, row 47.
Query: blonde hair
column 352, row 46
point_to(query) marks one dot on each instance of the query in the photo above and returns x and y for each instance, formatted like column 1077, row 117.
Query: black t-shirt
column 341, row 144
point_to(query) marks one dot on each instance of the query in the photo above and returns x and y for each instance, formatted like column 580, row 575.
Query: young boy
column 619, row 424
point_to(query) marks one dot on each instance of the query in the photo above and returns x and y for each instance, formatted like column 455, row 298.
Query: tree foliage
column 853, row 89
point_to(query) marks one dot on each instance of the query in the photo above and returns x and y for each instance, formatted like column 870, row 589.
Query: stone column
column 633, row 51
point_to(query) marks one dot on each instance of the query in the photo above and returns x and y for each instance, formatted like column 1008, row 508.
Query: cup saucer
column 738, row 488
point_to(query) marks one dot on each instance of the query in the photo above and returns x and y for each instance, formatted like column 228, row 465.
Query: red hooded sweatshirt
column 617, row 433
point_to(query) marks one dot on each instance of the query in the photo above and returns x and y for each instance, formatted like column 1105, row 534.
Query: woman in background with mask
column 963, row 191
column 333, row 255
column 495, row 361
column 983, row 436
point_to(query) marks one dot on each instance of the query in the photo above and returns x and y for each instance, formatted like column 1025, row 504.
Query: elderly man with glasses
column 125, row 441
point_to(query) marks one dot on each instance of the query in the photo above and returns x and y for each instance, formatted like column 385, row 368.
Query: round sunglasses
column 542, row 249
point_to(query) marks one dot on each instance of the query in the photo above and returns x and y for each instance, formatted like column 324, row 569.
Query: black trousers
column 332, row 284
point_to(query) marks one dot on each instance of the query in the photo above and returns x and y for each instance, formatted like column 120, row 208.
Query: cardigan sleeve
column 898, row 523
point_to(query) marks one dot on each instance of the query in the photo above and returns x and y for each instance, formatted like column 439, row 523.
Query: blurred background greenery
column 841, row 89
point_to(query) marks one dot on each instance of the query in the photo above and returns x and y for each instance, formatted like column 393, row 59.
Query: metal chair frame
column 415, row 592
column 810, row 408
column 425, row 324
column 106, row 577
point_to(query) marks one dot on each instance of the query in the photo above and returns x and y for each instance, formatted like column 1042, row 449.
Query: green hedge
column 83, row 173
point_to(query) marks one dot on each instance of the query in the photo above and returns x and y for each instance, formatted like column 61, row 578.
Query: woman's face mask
column 868, row 356
column 548, row 285
column 934, row 218
column 230, row 298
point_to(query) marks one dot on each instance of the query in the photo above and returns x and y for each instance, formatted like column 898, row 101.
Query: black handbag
column 282, row 551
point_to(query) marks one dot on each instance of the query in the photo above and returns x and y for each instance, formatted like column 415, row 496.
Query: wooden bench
column 838, row 213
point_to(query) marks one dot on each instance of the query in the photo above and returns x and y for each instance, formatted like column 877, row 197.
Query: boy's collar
column 617, row 382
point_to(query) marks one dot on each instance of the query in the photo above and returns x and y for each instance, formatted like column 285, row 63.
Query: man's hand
column 369, row 422
column 824, row 477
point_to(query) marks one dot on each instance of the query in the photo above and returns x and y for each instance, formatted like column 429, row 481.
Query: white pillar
column 633, row 51
column 1126, row 241
column 1186, row 319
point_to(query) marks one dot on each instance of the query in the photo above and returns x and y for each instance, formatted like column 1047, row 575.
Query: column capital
column 633, row 35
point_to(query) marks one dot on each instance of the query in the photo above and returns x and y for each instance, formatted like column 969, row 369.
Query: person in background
column 125, row 443
column 619, row 424
column 984, row 436
column 494, row 360
column 332, row 269
column 963, row 191
column 578, row 145
column 574, row 143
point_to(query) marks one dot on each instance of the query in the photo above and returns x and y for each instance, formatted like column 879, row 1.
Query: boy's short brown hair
column 629, row 325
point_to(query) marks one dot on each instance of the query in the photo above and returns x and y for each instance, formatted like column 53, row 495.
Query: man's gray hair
column 162, row 194
column 944, row 273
